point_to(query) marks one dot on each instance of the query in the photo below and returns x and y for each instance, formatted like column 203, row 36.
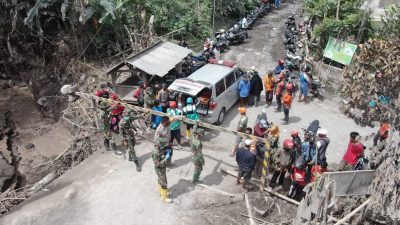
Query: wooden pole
column 184, row 119
column 265, row 168
column 348, row 216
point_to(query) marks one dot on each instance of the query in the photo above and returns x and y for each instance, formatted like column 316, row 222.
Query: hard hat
column 222, row 30
column 247, row 142
column 288, row 144
column 322, row 132
column 172, row 104
column 295, row 133
column 242, row 110
column 289, row 87
column 189, row 100
column 281, row 61
column 253, row 68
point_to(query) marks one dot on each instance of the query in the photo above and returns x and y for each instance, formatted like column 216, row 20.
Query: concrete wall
column 328, row 73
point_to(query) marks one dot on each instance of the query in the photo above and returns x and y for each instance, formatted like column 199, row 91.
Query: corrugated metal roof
column 211, row 73
column 159, row 59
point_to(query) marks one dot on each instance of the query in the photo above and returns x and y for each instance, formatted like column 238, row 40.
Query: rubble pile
column 371, row 84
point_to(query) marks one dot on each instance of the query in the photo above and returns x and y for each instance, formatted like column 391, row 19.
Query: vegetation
column 390, row 29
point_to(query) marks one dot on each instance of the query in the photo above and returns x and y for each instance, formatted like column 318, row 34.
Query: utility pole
column 213, row 20
column 337, row 10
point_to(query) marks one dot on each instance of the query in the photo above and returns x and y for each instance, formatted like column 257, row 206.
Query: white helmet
column 253, row 68
column 222, row 30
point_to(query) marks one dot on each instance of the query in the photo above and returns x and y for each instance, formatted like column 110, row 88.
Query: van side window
column 238, row 74
column 229, row 80
column 220, row 87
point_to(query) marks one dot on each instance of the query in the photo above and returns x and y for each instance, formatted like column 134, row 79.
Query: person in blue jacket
column 156, row 120
column 281, row 66
column 244, row 90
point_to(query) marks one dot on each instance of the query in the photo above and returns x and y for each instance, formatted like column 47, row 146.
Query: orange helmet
column 242, row 110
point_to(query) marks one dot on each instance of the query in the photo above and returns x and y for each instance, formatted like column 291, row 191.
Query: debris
column 348, row 216
column 250, row 215
column 29, row 146
column 216, row 190
column 39, row 185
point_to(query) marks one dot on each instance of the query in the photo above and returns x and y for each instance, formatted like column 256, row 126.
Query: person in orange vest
column 383, row 132
column 269, row 85
column 287, row 102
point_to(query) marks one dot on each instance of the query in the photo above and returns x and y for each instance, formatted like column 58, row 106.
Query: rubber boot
column 187, row 134
column 138, row 168
column 130, row 157
column 159, row 188
column 164, row 195
column 107, row 144
column 116, row 151
column 196, row 177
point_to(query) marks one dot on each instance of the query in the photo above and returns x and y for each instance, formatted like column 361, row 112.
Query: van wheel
column 221, row 116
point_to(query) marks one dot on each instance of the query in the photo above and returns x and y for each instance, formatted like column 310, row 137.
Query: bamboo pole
column 157, row 113
column 348, row 216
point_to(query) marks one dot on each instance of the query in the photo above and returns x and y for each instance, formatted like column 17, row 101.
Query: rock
column 6, row 171
column 29, row 146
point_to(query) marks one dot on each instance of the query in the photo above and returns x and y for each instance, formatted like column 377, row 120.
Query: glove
column 168, row 156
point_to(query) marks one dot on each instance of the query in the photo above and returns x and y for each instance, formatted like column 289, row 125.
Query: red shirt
column 384, row 130
column 315, row 170
column 299, row 176
column 258, row 131
column 354, row 151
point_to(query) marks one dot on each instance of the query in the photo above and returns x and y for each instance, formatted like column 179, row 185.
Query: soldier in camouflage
column 197, row 153
column 160, row 157
column 126, row 130
column 105, row 120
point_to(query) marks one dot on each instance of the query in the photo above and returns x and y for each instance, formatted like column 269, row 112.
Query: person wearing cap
column 309, row 155
column 244, row 90
column 383, row 132
column 163, row 97
column 175, row 125
column 269, row 85
column 297, row 145
column 354, row 151
column 190, row 111
column 287, row 103
column 282, row 161
column 280, row 88
column 126, row 131
column 246, row 162
column 256, row 87
column 241, row 127
column 197, row 152
column 160, row 157
column 322, row 145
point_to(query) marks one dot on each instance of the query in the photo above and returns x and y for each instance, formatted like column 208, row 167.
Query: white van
column 214, row 88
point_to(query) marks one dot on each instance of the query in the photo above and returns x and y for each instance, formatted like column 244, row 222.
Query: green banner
column 339, row 51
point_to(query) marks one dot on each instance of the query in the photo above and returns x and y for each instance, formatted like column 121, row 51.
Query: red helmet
column 172, row 104
column 281, row 61
column 114, row 97
column 289, row 87
column 295, row 133
column 288, row 144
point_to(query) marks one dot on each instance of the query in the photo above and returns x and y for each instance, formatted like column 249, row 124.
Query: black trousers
column 281, row 175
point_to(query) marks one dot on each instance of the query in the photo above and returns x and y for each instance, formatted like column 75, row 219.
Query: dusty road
column 106, row 190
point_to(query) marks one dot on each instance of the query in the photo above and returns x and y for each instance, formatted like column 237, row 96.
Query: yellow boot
column 187, row 134
column 164, row 195
column 159, row 188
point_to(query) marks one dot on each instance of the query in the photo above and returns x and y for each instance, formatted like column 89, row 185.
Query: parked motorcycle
column 311, row 131
column 317, row 89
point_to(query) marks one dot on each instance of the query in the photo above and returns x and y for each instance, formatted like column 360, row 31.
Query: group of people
column 274, row 83
column 115, row 118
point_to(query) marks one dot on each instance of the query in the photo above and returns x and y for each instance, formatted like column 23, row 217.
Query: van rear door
column 187, row 86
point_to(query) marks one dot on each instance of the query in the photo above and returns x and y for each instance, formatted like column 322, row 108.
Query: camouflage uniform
column 105, row 120
column 160, row 166
column 197, row 153
column 149, row 97
column 126, row 131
